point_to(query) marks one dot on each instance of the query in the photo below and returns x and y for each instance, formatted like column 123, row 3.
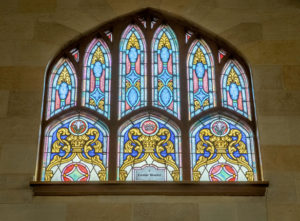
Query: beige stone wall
column 266, row 32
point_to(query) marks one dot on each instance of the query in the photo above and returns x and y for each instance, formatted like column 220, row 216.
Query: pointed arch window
column 62, row 88
column 165, row 67
column 160, row 101
column 133, row 93
column 235, row 92
column 96, row 77
column 201, row 80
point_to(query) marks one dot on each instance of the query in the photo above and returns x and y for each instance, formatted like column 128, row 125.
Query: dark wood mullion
column 79, row 71
column 184, row 105
column 113, row 125
column 148, row 39
column 218, row 72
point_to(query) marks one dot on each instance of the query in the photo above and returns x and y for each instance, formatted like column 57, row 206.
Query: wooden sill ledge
column 183, row 188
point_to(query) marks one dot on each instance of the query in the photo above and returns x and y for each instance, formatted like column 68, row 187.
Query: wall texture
column 265, row 31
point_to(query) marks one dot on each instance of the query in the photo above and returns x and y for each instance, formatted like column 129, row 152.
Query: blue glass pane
column 75, row 149
column 165, row 66
column 201, row 82
column 222, row 150
column 149, row 150
column 62, row 88
column 132, row 91
column 97, row 78
column 235, row 92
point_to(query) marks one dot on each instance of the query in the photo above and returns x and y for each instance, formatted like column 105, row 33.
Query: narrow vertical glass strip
column 201, row 78
column 234, row 89
column 165, row 71
column 132, row 89
column 97, row 78
column 62, row 88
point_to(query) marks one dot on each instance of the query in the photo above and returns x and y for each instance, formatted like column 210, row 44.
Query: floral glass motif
column 75, row 149
column 62, row 88
column 149, row 150
column 96, row 78
column 222, row 150
column 165, row 67
column 132, row 70
column 234, row 88
column 201, row 82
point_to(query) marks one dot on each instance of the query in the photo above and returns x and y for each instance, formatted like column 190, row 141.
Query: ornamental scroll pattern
column 222, row 141
column 77, row 141
column 150, row 141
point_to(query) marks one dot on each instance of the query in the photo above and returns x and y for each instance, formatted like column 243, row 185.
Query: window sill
column 184, row 188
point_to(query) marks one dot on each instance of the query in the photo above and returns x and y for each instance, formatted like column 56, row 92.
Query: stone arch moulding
column 184, row 95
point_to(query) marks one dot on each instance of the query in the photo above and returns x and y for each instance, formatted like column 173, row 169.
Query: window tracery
column 143, row 83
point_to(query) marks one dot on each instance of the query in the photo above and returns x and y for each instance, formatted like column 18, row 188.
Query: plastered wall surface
column 266, row 32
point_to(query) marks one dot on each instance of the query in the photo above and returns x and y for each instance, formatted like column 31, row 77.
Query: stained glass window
column 222, row 150
column 165, row 67
column 163, row 118
column 133, row 92
column 201, row 79
column 149, row 150
column 62, row 88
column 96, row 78
column 75, row 149
column 234, row 87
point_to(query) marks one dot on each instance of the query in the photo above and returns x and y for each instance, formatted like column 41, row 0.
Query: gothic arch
column 147, row 81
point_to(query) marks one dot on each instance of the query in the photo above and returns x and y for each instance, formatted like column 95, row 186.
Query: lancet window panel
column 97, row 77
column 165, row 71
column 132, row 91
column 234, row 89
column 149, row 150
column 222, row 150
column 62, row 88
column 75, row 149
column 201, row 78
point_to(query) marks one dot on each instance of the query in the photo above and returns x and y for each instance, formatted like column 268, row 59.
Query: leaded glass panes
column 165, row 68
column 132, row 89
column 96, row 78
column 128, row 74
column 234, row 88
column 75, row 149
column 62, row 88
column 201, row 81
column 222, row 150
column 149, row 150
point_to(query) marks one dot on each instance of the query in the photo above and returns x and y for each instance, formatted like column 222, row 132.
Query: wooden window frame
column 187, row 186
